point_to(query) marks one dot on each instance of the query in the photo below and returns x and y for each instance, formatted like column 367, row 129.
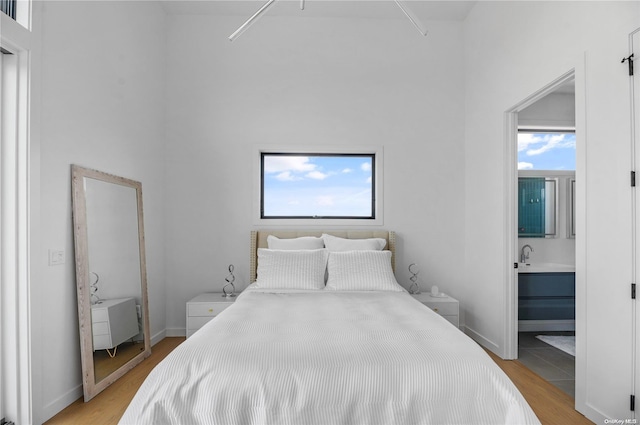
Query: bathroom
column 546, row 237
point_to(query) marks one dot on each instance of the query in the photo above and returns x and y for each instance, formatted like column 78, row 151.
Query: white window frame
column 378, row 151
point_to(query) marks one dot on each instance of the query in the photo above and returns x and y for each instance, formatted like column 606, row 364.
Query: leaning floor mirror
column 111, row 276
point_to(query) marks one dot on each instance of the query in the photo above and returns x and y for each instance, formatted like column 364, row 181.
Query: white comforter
column 328, row 358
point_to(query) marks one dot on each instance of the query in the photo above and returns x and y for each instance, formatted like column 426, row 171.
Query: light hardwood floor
column 551, row 404
column 109, row 406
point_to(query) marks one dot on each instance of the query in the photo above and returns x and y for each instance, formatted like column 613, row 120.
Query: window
column 8, row 7
column 546, row 150
column 312, row 186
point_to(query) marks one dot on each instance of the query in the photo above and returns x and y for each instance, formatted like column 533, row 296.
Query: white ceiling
column 453, row 10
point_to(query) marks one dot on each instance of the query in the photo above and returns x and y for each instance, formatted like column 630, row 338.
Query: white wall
column 556, row 110
column 513, row 49
column 101, row 105
column 310, row 81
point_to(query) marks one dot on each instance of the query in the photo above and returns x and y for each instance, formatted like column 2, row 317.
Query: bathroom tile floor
column 552, row 364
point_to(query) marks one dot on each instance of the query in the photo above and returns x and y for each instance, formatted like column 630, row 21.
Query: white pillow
column 291, row 269
column 361, row 271
column 304, row 242
column 336, row 244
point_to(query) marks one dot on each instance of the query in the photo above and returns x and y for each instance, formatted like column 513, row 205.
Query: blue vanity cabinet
column 546, row 296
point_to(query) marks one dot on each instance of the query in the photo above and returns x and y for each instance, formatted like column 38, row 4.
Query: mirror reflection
column 111, row 275
column 114, row 268
column 537, row 207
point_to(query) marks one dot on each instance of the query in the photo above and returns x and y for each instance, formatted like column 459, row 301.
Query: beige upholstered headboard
column 259, row 240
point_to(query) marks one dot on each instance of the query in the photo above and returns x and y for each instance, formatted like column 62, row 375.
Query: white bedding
column 320, row 357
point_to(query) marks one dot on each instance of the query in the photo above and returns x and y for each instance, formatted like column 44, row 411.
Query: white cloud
column 369, row 180
column 366, row 166
column 286, row 176
column 317, row 175
column 347, row 170
column 525, row 140
column 535, row 144
column 525, row 166
column 325, row 201
column 279, row 164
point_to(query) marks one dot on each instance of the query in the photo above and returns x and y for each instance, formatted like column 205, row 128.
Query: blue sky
column 317, row 185
column 546, row 151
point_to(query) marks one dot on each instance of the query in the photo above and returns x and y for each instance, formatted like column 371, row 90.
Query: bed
column 350, row 347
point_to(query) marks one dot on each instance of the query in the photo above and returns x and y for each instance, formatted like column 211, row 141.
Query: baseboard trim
column 59, row 404
column 176, row 332
column 546, row 325
column 486, row 343
column 56, row 406
column 158, row 337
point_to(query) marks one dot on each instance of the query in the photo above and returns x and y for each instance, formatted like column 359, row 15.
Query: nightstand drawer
column 444, row 305
column 100, row 328
column 195, row 323
column 99, row 315
column 101, row 341
column 443, row 309
column 453, row 320
column 206, row 309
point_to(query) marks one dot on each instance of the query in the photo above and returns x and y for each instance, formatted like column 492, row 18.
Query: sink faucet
column 524, row 256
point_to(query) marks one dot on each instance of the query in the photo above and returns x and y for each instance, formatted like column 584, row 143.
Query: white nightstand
column 113, row 322
column 203, row 308
column 447, row 307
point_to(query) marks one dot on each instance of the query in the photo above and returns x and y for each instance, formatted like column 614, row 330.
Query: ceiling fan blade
column 250, row 21
column 412, row 17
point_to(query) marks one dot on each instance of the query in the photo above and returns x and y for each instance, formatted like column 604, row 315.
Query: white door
column 634, row 48
column 605, row 323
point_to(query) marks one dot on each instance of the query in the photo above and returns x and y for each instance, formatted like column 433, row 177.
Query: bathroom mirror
column 537, row 207
column 111, row 276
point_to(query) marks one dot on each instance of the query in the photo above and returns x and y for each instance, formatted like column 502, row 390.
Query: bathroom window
column 546, row 150
column 316, row 186
column 537, row 207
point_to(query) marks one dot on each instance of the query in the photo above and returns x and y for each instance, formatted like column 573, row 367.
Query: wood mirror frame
column 139, row 346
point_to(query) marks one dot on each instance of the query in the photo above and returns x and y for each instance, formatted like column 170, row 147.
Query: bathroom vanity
column 546, row 297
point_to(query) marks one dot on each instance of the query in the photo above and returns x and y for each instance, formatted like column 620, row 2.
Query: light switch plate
column 56, row 257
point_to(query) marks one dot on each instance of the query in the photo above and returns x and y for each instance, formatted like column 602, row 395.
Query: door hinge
column 630, row 60
column 633, row 291
column 633, row 403
column 633, row 179
column 515, row 265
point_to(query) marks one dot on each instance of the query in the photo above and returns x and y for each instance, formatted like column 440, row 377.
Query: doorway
column 541, row 236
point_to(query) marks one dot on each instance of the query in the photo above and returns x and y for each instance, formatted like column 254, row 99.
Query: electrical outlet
column 56, row 257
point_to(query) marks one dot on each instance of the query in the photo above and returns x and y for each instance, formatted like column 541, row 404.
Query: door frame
column 511, row 211
column 634, row 100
